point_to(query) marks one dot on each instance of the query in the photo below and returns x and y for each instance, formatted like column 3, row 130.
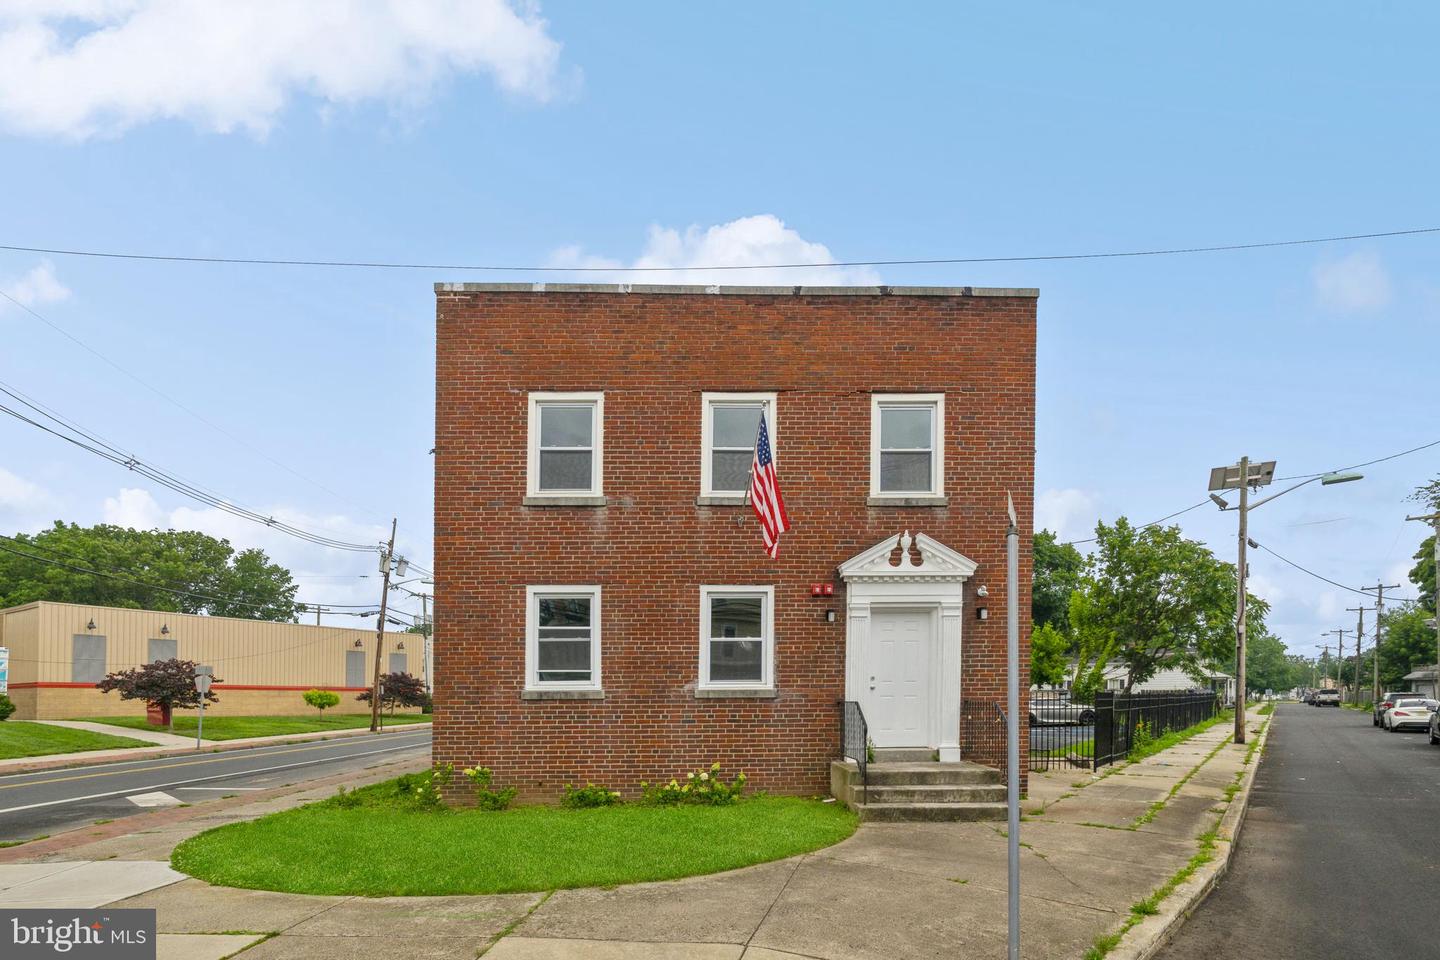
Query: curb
column 130, row 755
column 1148, row 937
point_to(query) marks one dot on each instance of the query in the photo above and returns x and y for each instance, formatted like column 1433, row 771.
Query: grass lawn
column 1081, row 748
column 233, row 728
column 19, row 738
column 381, row 850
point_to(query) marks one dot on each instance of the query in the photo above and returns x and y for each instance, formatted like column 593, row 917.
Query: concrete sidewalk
column 172, row 745
column 1091, row 847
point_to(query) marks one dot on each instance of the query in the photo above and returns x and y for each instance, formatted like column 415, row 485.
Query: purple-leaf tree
column 167, row 684
column 399, row 690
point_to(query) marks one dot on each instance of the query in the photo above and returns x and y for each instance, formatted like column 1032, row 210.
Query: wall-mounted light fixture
column 400, row 645
column 91, row 625
column 164, row 630
column 359, row 643
column 983, row 591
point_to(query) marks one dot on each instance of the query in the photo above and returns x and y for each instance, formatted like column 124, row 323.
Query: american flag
column 765, row 494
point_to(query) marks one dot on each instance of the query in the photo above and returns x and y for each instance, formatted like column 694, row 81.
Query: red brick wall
column 651, row 547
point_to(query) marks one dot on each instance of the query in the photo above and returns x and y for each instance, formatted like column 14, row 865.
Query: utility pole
column 425, row 631
column 1241, row 575
column 385, row 565
column 1339, row 658
column 1324, row 658
column 1434, row 519
column 1359, row 639
column 1379, row 588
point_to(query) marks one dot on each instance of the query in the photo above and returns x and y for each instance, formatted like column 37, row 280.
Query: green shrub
column 7, row 707
column 487, row 798
column 700, row 787
column 322, row 699
column 346, row 799
column 1141, row 739
column 589, row 795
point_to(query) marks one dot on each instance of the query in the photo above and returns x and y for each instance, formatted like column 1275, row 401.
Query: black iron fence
column 982, row 733
column 1124, row 721
column 855, row 740
column 1062, row 730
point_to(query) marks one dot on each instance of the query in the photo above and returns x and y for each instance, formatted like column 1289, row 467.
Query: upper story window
column 566, row 444
column 906, row 445
column 737, row 644
column 728, row 430
column 562, row 638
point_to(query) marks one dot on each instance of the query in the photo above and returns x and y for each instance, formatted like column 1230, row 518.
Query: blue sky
column 676, row 134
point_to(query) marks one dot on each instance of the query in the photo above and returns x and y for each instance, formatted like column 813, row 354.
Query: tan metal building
column 59, row 651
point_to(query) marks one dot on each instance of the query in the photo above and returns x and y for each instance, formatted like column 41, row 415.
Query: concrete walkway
column 1091, row 847
column 157, row 737
column 171, row 745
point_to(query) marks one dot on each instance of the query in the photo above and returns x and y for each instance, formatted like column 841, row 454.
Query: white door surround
column 887, row 602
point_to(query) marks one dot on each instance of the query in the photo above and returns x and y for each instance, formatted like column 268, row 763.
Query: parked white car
column 1409, row 714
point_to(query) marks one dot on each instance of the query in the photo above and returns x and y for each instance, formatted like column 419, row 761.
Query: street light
column 1245, row 476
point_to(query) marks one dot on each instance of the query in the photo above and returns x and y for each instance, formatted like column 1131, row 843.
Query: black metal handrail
column 855, row 741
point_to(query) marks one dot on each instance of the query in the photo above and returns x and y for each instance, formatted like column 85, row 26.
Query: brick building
column 605, row 609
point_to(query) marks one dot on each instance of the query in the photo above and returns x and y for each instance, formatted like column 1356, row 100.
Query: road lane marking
column 224, row 788
column 213, row 758
column 218, row 776
column 159, row 798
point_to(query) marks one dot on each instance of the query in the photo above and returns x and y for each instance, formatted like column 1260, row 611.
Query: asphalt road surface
column 48, row 801
column 1340, row 852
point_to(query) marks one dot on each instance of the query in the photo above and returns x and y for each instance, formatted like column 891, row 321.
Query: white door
column 897, row 707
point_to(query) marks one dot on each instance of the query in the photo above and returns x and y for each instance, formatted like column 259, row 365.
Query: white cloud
column 134, row 508
column 1070, row 512
column 20, row 495
column 1266, row 589
column 78, row 68
column 37, row 285
column 763, row 238
column 1358, row 283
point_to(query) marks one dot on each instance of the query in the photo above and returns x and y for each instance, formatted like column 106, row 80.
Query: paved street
column 48, row 801
column 1340, row 848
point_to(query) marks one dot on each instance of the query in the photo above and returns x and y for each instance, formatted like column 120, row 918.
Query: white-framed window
column 567, row 434
column 907, row 449
column 562, row 638
column 728, row 427
column 737, row 637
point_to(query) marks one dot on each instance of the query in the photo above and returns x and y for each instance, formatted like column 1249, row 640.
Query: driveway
column 1340, row 849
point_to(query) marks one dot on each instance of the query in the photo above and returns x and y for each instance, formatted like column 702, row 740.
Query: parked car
column 1309, row 697
column 1385, row 703
column 1410, row 713
column 1328, row 697
column 1434, row 728
column 1049, row 708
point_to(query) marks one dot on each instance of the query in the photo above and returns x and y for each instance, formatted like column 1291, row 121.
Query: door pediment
column 936, row 562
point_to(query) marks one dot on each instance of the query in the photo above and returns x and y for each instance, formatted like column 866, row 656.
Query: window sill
column 545, row 501
column 918, row 501
column 530, row 693
column 722, row 500
column 736, row 693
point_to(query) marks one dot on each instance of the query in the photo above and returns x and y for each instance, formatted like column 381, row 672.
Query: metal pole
column 1012, row 719
column 1240, row 602
column 1359, row 640
column 1379, row 589
column 425, row 639
column 380, row 631
column 200, row 722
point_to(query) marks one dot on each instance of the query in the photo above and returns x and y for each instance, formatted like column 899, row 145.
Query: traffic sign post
column 203, row 677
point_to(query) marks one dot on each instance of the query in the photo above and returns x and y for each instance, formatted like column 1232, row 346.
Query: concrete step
column 912, row 774
column 937, row 793
column 904, row 755
column 931, row 812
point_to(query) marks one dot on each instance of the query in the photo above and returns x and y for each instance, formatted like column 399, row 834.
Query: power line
column 1152, row 523
column 93, row 444
column 111, row 575
column 1367, row 463
column 1317, row 576
column 498, row 268
column 169, row 399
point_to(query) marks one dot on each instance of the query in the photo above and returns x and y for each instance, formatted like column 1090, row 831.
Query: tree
column 1408, row 642
column 167, row 684
column 1423, row 573
column 1057, row 571
column 1048, row 655
column 1154, row 600
column 1266, row 665
column 399, row 690
column 321, row 699
column 244, row 584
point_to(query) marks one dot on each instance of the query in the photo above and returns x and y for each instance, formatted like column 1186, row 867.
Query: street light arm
column 1265, row 500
